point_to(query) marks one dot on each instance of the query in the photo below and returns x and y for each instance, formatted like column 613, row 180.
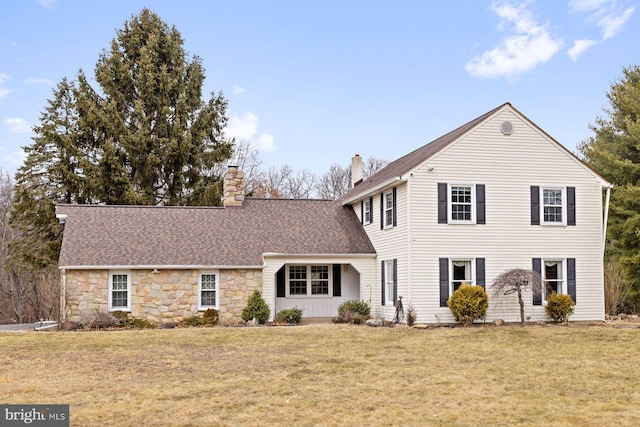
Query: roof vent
column 506, row 128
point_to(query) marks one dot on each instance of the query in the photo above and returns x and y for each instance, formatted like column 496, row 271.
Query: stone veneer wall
column 166, row 296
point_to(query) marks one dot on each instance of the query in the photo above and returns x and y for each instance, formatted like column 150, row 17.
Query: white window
column 553, row 205
column 553, row 277
column 389, row 282
column 119, row 290
column 388, row 209
column 461, row 203
column 208, row 289
column 367, row 212
column 461, row 273
column 308, row 280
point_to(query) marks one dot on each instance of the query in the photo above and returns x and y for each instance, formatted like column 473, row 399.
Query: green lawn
column 330, row 375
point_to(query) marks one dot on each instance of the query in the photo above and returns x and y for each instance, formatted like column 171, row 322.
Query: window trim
column 563, row 189
column 563, row 289
column 450, row 204
column 215, row 273
column 309, row 280
column 472, row 263
column 390, row 210
column 110, row 296
column 390, row 285
column 367, row 211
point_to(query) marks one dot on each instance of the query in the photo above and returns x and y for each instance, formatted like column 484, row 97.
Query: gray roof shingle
column 185, row 236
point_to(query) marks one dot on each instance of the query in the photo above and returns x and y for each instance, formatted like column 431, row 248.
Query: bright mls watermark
column 34, row 415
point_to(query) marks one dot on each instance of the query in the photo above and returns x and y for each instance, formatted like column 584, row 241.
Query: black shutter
column 281, row 281
column 571, row 278
column 395, row 208
column 337, row 280
column 480, row 204
column 383, row 282
column 370, row 210
column 381, row 211
column 444, row 281
column 362, row 211
column 537, row 281
column 442, row 203
column 480, row 272
column 571, row 206
column 395, row 279
column 535, row 205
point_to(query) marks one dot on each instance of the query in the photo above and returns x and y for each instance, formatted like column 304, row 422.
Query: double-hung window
column 461, row 273
column 389, row 281
column 461, row 206
column 308, row 280
column 208, row 289
column 120, row 290
column 461, row 203
column 366, row 215
column 388, row 209
column 553, row 205
column 553, row 277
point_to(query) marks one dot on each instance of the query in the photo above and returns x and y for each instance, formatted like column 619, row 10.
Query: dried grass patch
column 330, row 375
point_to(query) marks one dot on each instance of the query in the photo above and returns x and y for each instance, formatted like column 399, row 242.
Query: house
column 494, row 194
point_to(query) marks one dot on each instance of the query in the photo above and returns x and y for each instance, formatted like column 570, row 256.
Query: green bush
column 469, row 303
column 355, row 306
column 211, row 315
column 289, row 315
column 256, row 308
column 559, row 307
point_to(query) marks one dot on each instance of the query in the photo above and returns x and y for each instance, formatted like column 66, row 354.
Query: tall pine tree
column 614, row 152
column 144, row 136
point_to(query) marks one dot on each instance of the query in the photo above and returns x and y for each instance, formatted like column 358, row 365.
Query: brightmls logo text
column 34, row 415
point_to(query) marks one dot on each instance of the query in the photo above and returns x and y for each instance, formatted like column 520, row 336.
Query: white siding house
column 495, row 194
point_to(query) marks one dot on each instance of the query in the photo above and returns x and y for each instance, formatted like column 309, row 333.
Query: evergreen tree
column 144, row 137
column 614, row 152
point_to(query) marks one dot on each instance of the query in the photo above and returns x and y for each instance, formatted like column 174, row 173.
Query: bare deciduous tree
column 517, row 280
column 334, row 183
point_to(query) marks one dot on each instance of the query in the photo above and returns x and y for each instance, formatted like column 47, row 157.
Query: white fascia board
column 323, row 256
column 158, row 267
column 378, row 188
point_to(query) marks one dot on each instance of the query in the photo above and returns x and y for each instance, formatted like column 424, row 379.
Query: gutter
column 380, row 187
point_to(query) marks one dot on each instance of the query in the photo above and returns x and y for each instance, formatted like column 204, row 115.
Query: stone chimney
column 356, row 170
column 233, row 187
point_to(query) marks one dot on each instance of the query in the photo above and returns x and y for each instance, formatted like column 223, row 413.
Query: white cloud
column 237, row 90
column 35, row 80
column 527, row 45
column 579, row 47
column 245, row 128
column 49, row 4
column 17, row 125
column 265, row 142
column 3, row 90
column 587, row 5
column 612, row 23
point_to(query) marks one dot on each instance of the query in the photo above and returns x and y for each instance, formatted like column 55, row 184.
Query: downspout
column 606, row 218
column 63, row 296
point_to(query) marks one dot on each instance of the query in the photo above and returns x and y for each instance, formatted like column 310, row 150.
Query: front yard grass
column 330, row 375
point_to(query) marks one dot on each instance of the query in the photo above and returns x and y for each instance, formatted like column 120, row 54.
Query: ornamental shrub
column 469, row 303
column 256, row 308
column 355, row 306
column 289, row 315
column 559, row 307
column 211, row 316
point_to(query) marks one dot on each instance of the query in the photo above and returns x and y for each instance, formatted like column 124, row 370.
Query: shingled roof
column 406, row 163
column 96, row 236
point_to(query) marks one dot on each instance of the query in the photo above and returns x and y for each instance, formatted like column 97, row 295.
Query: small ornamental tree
column 517, row 280
column 468, row 303
column 256, row 308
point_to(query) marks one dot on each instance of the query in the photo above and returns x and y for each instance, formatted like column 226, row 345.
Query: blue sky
column 310, row 83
